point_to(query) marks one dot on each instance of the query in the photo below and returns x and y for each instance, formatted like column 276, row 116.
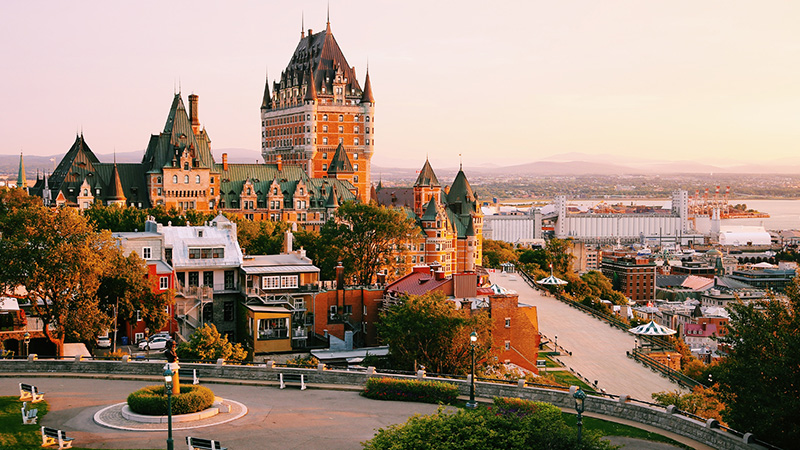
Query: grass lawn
column 617, row 429
column 566, row 378
column 16, row 435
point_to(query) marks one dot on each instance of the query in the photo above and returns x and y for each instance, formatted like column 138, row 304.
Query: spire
column 328, row 25
column 366, row 96
column 311, row 88
column 333, row 201
column 22, row 182
column 340, row 162
column 302, row 25
column 267, row 102
column 117, row 194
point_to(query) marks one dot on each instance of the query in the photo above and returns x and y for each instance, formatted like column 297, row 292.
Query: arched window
column 174, row 178
column 85, row 192
column 367, row 118
column 186, row 165
column 324, row 128
column 158, row 180
column 324, row 117
column 324, row 141
column 341, row 118
column 186, row 179
column 197, row 179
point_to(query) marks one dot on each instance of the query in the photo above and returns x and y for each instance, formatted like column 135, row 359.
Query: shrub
column 508, row 424
column 303, row 361
column 410, row 390
column 152, row 401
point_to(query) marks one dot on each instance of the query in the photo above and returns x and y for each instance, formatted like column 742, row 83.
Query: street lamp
column 26, row 338
column 473, row 338
column 556, row 344
column 168, row 391
column 580, row 396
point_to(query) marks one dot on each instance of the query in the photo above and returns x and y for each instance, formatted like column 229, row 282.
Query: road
column 598, row 350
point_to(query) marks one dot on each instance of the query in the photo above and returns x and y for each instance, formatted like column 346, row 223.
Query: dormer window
column 186, row 165
column 85, row 192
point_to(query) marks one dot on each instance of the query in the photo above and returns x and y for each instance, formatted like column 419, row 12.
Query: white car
column 103, row 342
column 155, row 343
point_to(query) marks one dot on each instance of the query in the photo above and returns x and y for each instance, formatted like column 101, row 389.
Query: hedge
column 410, row 390
column 152, row 401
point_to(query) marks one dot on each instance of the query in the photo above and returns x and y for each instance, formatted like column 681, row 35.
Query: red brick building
column 633, row 275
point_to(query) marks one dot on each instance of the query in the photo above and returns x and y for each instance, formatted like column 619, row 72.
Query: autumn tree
column 207, row 344
column 366, row 238
column 115, row 218
column 126, row 288
column 558, row 256
column 758, row 379
column 59, row 259
column 702, row 401
column 498, row 252
column 429, row 330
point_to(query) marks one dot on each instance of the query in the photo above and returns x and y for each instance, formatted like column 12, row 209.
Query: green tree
column 558, row 256
column 758, row 379
column 126, row 288
column 429, row 330
column 261, row 237
column 115, row 218
column 59, row 259
column 497, row 252
column 366, row 238
column 534, row 258
column 512, row 425
column 206, row 343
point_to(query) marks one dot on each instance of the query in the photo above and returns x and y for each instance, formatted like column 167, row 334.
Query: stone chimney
column 339, row 276
column 382, row 278
column 193, row 113
column 224, row 161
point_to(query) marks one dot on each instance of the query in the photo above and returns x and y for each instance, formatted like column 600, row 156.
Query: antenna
column 302, row 24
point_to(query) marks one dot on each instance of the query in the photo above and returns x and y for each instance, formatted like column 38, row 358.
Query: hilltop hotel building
column 317, row 144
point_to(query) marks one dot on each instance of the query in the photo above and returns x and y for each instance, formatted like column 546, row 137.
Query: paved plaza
column 598, row 350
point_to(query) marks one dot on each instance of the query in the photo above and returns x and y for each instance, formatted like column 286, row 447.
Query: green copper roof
column 426, row 176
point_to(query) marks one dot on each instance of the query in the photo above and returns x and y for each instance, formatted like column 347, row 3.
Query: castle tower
column 426, row 187
column 316, row 105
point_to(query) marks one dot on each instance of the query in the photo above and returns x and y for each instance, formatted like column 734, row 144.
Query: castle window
column 212, row 180
column 212, row 191
column 158, row 180
column 324, row 141
column 355, row 167
column 159, row 191
column 85, row 192
column 355, row 179
column 325, row 155
column 341, row 128
column 355, row 129
column 308, row 116
column 274, row 191
column 341, row 140
column 324, row 167
column 197, row 179
column 341, row 118
column 367, row 141
column 324, row 128
column 324, row 116
column 367, row 118
column 355, row 141
column 174, row 178
column 186, row 179
column 355, row 118
column 355, row 155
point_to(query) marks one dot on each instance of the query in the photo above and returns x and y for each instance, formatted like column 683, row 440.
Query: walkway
column 598, row 350
column 285, row 419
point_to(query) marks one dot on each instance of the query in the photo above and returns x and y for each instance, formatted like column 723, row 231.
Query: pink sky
column 512, row 82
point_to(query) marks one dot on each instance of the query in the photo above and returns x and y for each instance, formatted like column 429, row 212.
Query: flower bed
column 152, row 401
column 410, row 390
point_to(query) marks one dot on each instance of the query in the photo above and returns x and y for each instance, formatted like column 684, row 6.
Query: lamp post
column 26, row 338
column 473, row 338
column 579, row 396
column 168, row 391
column 556, row 344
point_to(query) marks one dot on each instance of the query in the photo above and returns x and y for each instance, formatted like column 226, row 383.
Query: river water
column 783, row 214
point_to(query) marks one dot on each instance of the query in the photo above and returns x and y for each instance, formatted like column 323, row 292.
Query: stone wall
column 623, row 408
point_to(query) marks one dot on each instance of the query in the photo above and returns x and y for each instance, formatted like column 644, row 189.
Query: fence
column 670, row 418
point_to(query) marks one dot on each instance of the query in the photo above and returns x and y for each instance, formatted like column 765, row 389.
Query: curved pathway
column 598, row 350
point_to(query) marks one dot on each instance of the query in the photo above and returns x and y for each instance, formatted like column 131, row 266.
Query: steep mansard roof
column 78, row 161
column 426, row 176
column 321, row 54
column 177, row 136
column 461, row 198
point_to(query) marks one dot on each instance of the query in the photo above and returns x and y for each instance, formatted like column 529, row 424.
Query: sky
column 497, row 83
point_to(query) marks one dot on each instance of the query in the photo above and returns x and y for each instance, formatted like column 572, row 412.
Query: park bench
column 29, row 392
column 28, row 415
column 189, row 374
column 203, row 444
column 53, row 436
column 293, row 378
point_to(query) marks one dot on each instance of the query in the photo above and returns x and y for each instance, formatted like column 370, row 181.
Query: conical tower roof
column 267, row 102
column 366, row 97
column 461, row 195
column 116, row 193
column 311, row 91
column 427, row 177
column 333, row 200
column 430, row 210
column 340, row 162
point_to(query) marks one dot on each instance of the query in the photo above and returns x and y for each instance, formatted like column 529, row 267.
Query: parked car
column 155, row 343
column 103, row 342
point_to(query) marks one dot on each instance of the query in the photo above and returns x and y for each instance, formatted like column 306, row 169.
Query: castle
column 317, row 145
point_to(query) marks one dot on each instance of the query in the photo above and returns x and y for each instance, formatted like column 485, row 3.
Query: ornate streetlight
column 26, row 338
column 472, row 404
column 168, row 391
column 580, row 396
